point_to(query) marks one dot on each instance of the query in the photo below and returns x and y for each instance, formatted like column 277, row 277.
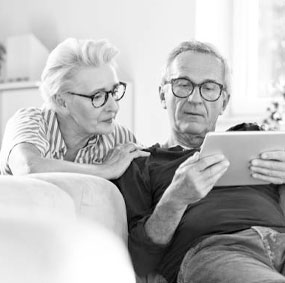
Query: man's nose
column 195, row 96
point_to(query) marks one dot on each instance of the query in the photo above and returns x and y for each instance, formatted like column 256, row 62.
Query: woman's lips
column 108, row 120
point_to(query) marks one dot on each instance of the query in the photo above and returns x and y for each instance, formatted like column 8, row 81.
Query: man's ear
column 162, row 97
column 226, row 98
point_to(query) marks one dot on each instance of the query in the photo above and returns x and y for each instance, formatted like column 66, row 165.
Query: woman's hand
column 120, row 157
column 269, row 167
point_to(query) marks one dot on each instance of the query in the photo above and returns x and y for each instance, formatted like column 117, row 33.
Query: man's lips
column 193, row 113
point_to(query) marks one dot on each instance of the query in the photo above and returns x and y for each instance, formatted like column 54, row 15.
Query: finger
column 272, row 180
column 135, row 146
column 211, row 175
column 191, row 160
column 276, row 155
column 210, row 160
column 196, row 155
column 129, row 147
column 139, row 146
column 268, row 164
column 215, row 177
column 268, row 172
column 139, row 153
column 215, row 171
column 220, row 174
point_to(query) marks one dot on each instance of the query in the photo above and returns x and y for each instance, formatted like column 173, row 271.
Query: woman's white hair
column 67, row 58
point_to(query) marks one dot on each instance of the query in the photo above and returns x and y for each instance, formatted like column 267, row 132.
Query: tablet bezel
column 239, row 148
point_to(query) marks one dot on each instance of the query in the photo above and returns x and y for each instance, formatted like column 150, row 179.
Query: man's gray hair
column 67, row 58
column 199, row 47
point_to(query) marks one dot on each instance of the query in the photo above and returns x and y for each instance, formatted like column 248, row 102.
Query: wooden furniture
column 14, row 96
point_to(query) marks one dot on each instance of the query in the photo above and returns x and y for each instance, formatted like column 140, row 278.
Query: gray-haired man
column 180, row 225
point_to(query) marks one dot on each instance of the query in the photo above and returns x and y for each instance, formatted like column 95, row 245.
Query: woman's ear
column 60, row 101
column 162, row 97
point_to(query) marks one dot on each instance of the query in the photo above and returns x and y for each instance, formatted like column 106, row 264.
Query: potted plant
column 275, row 111
column 2, row 60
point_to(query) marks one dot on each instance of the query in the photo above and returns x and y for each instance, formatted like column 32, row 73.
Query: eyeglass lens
column 208, row 90
column 102, row 96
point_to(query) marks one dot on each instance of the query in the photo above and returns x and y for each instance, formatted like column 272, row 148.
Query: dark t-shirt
column 223, row 210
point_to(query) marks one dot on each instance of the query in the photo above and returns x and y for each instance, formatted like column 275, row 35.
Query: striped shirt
column 39, row 126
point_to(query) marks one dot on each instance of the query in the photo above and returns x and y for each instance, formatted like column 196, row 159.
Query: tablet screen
column 239, row 148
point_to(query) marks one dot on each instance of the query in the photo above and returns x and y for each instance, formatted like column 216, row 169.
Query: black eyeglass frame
column 221, row 86
column 106, row 94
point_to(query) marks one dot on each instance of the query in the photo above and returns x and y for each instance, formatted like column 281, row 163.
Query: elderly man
column 75, row 131
column 181, row 226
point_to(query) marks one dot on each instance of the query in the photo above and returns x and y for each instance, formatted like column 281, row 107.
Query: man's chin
column 193, row 129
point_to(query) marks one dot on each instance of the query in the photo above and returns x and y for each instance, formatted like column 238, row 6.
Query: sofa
column 62, row 228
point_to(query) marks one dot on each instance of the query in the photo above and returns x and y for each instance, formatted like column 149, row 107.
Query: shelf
column 19, row 85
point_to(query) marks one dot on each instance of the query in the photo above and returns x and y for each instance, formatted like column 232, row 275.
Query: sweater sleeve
column 135, row 185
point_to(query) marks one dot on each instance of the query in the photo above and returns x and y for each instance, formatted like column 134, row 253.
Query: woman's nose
column 112, row 104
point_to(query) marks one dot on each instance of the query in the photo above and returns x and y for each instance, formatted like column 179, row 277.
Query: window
column 258, row 55
column 251, row 35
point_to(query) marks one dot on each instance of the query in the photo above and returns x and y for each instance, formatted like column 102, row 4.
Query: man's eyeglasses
column 100, row 97
column 183, row 87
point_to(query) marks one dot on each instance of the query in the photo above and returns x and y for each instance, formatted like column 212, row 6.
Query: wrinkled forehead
column 197, row 66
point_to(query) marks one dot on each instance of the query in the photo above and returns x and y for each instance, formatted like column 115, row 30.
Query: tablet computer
column 239, row 148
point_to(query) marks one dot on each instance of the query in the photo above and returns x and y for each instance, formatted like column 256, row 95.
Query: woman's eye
column 99, row 96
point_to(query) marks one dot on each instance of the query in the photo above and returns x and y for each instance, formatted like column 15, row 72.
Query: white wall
column 218, row 31
column 144, row 31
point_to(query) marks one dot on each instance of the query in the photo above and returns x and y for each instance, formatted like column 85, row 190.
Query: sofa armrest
column 48, row 245
column 95, row 199
column 34, row 195
column 51, row 248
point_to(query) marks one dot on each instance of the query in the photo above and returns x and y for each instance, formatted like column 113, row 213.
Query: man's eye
column 210, row 86
column 183, row 84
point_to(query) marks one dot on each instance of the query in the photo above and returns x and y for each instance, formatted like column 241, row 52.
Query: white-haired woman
column 75, row 131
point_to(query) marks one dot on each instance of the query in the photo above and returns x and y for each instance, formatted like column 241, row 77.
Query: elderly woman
column 75, row 130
